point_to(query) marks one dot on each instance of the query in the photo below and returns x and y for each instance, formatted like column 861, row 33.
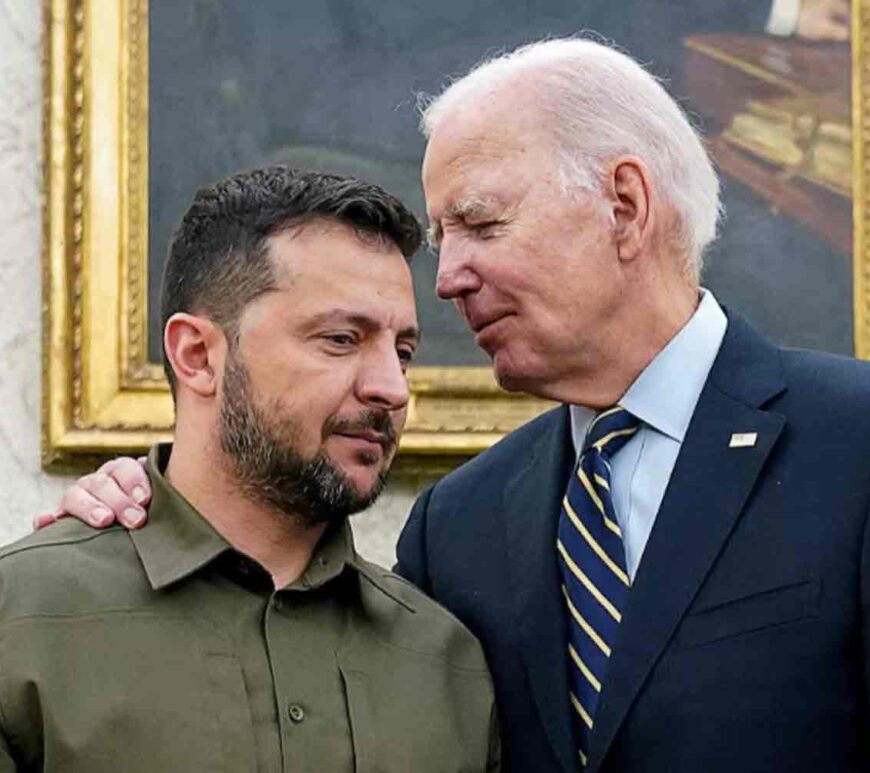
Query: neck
column 281, row 544
column 638, row 337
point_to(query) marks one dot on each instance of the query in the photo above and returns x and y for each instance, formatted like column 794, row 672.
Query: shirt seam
column 72, row 617
column 61, row 542
column 481, row 672
column 376, row 583
column 354, row 642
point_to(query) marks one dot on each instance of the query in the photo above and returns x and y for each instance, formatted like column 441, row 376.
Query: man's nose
column 382, row 382
column 456, row 276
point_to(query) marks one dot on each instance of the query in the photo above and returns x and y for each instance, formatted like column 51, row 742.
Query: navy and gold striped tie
column 595, row 582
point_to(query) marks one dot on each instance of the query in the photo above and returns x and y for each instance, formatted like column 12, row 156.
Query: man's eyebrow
column 471, row 206
column 411, row 334
column 362, row 321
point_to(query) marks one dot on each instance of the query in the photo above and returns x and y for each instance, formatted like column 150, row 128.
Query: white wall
column 24, row 488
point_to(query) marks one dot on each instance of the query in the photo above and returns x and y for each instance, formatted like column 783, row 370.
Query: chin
column 518, row 375
column 509, row 372
column 363, row 474
column 508, row 382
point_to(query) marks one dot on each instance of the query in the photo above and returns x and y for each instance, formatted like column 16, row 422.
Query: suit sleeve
column 865, row 605
column 411, row 550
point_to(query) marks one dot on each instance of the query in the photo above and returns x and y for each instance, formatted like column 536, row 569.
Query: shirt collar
column 665, row 393
column 334, row 553
column 177, row 541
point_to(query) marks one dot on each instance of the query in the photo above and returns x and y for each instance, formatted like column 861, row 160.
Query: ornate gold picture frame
column 101, row 394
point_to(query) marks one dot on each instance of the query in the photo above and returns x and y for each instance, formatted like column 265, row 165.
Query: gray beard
column 269, row 469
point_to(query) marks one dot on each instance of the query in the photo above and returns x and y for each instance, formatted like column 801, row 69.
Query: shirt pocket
column 407, row 718
column 125, row 691
column 786, row 604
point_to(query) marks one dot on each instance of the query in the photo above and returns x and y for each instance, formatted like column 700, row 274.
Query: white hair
column 604, row 104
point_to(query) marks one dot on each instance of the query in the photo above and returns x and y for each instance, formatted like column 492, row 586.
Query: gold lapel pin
column 743, row 440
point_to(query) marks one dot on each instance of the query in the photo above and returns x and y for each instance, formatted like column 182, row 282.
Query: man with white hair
column 671, row 571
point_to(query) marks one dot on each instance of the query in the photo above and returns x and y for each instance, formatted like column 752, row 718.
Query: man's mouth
column 370, row 437
column 479, row 325
column 372, row 430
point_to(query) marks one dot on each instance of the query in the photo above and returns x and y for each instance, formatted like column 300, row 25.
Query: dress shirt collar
column 177, row 541
column 664, row 395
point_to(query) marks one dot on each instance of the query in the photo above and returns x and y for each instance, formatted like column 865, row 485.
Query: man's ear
column 630, row 190
column 195, row 348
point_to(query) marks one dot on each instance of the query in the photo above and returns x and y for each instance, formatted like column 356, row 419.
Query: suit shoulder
column 827, row 378
column 407, row 618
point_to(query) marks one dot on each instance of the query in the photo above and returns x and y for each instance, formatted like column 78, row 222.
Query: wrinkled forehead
column 490, row 111
column 500, row 120
column 463, row 136
column 474, row 168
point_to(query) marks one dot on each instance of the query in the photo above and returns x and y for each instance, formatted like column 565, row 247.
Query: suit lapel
column 707, row 491
column 531, row 504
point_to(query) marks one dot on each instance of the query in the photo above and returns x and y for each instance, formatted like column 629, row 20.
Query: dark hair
column 218, row 258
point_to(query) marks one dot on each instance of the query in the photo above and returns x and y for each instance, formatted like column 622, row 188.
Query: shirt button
column 296, row 712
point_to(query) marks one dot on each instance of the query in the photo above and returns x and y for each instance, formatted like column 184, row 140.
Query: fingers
column 44, row 519
column 117, row 492
column 131, row 478
column 79, row 503
column 107, row 499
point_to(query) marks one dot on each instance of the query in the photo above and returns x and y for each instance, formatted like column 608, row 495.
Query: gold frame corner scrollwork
column 101, row 395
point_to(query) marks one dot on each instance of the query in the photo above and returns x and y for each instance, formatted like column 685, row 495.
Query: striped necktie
column 595, row 582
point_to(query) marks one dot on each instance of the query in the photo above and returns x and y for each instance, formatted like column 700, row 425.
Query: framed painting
column 145, row 100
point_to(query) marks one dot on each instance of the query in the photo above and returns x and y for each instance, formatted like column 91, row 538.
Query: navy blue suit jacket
column 745, row 645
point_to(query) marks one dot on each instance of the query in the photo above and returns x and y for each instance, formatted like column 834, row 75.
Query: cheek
column 307, row 411
column 318, row 386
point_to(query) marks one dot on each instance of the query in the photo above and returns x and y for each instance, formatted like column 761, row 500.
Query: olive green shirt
column 164, row 649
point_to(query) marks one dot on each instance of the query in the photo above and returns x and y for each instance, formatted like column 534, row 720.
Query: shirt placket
column 300, row 632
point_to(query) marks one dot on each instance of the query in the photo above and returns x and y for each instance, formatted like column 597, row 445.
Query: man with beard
column 238, row 630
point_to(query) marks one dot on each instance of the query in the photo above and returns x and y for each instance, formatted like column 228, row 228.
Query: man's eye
column 405, row 356
column 485, row 230
column 341, row 339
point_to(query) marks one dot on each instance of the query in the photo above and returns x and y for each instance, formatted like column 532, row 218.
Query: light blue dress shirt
column 663, row 397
